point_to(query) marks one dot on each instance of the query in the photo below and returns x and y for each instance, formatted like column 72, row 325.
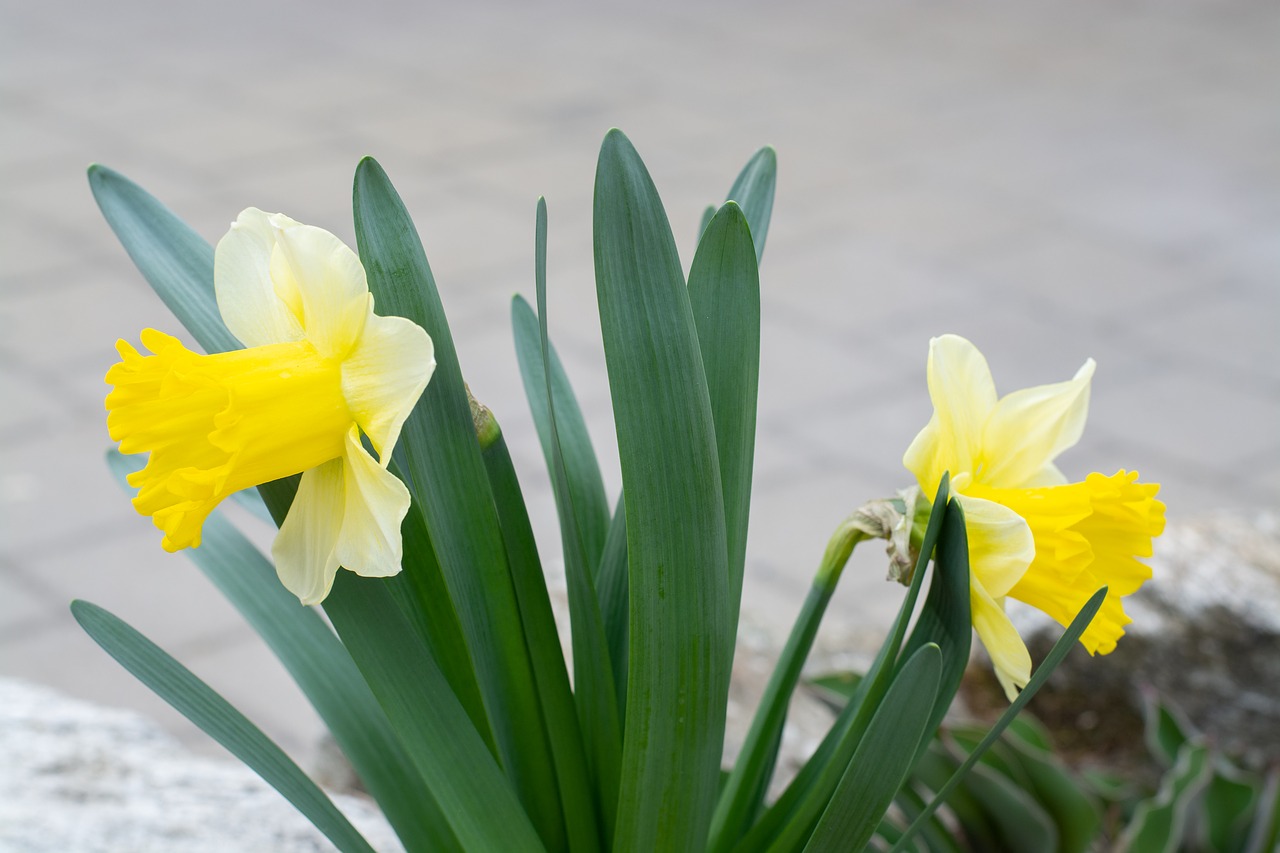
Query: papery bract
column 320, row 371
column 1032, row 535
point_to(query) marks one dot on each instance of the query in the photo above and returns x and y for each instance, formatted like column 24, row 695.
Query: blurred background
column 1053, row 181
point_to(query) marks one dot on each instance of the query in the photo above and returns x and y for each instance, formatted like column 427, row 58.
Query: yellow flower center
column 215, row 424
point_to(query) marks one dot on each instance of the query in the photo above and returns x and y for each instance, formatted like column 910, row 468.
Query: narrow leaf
column 753, row 190
column 439, row 457
column 323, row 670
column 612, row 586
column 175, row 260
column 1160, row 823
column 883, row 759
column 198, row 702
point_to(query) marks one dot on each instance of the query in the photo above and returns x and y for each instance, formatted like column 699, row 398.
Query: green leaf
column 1160, row 823
column 612, row 586
column 322, row 669
column 439, row 457
column 800, row 805
column 586, row 487
column 680, row 642
column 543, row 642
column 1019, row 821
column 1229, row 802
column 883, row 758
column 1165, row 729
column 593, row 673
column 478, row 800
column 1074, row 814
column 175, row 261
column 944, row 619
column 198, row 702
column 753, row 191
column 724, row 294
column 1265, row 836
column 707, row 215
column 1038, row 678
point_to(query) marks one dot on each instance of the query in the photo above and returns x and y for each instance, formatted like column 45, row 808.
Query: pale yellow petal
column 1003, row 644
column 963, row 395
column 1029, row 428
column 306, row 549
column 1001, row 545
column 242, row 282
column 331, row 286
column 385, row 375
column 924, row 458
column 376, row 504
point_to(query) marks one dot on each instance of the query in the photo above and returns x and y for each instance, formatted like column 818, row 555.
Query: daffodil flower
column 320, row 371
column 1033, row 536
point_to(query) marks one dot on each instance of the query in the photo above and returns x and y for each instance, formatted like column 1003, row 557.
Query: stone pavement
column 1054, row 181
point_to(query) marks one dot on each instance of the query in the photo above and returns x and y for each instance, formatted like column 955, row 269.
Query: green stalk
column 743, row 793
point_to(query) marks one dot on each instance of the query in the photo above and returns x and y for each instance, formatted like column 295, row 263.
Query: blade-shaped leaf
column 198, row 702
column 724, row 293
column 586, row 487
column 1160, row 823
column 324, row 672
column 563, row 730
column 883, row 758
column 612, row 586
column 176, row 261
column 593, row 673
column 439, row 457
column 680, row 643
column 1038, row 678
column 753, row 190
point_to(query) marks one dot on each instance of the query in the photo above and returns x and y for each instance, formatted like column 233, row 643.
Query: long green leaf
column 1018, row 819
column 613, row 588
column 883, row 759
column 803, row 801
column 582, row 471
column 480, row 803
column 753, row 190
column 593, row 673
column 543, row 641
column 1038, row 678
column 324, row 672
column 724, row 293
column 944, row 619
column 198, row 702
column 680, row 643
column 439, row 456
column 176, row 261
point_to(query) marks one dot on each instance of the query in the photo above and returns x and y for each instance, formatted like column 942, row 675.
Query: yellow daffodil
column 319, row 370
column 1032, row 535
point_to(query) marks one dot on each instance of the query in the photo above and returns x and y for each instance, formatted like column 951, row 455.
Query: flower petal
column 1008, row 653
column 1029, row 428
column 376, row 504
column 306, row 549
column 333, row 294
column 1001, row 546
column 963, row 395
column 247, row 296
column 385, row 375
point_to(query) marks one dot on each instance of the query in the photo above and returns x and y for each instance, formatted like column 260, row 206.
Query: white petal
column 1001, row 546
column 242, row 283
column 1008, row 653
column 306, row 548
column 385, row 375
column 376, row 504
column 963, row 395
column 330, row 283
column 1029, row 428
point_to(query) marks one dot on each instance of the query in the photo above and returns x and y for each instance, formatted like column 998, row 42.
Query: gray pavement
column 1054, row 181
